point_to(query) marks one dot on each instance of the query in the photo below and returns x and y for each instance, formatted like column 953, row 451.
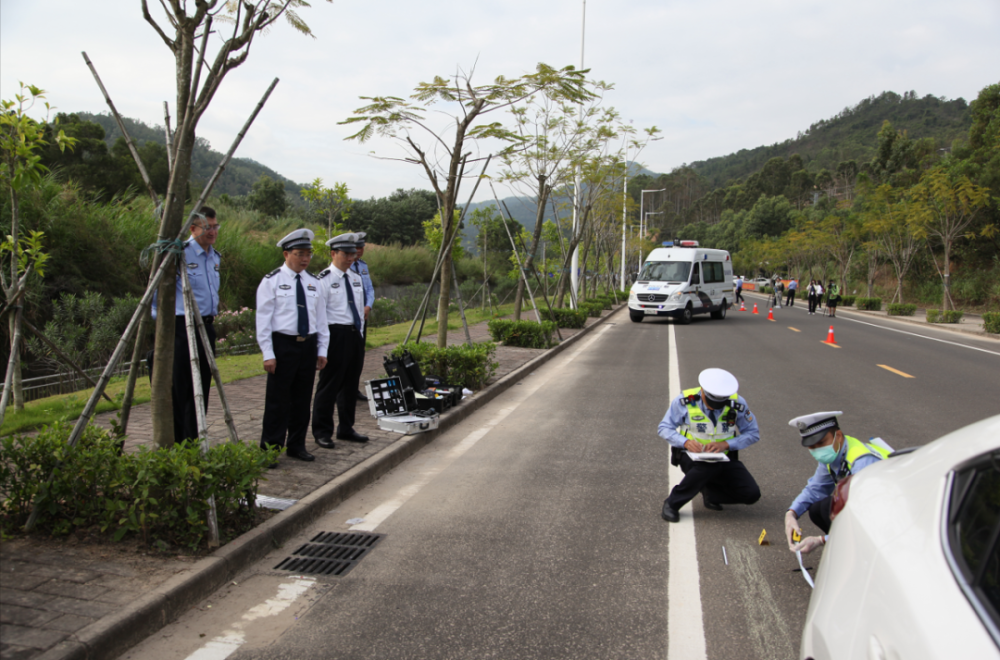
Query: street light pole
column 574, row 284
column 642, row 199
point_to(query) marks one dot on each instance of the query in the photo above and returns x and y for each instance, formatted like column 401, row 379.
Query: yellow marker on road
column 763, row 540
column 895, row 371
column 794, row 329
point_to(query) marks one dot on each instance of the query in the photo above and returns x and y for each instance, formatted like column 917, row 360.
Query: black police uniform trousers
column 342, row 373
column 289, row 390
column 819, row 513
column 341, row 398
column 723, row 483
column 182, row 391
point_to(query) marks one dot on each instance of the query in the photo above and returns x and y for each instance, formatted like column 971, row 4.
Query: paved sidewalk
column 62, row 599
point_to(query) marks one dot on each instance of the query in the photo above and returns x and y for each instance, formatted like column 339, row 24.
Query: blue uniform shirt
column 203, row 272
column 677, row 415
column 361, row 268
column 821, row 484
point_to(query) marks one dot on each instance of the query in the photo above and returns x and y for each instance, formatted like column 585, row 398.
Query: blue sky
column 715, row 76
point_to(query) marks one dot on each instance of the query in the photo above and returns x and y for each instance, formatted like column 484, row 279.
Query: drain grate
column 330, row 553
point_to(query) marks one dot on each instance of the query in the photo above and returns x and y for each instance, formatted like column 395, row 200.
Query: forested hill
column 238, row 178
column 850, row 135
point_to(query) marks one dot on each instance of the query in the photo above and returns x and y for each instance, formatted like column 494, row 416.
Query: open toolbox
column 395, row 407
column 429, row 393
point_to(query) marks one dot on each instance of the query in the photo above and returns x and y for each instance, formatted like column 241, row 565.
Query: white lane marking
column 377, row 515
column 685, row 626
column 943, row 341
column 223, row 646
column 769, row 634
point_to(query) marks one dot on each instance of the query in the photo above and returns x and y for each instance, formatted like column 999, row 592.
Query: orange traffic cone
column 829, row 337
column 755, row 309
column 770, row 314
column 743, row 306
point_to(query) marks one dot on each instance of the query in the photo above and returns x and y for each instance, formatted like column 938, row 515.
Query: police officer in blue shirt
column 361, row 268
column 202, row 261
column 838, row 456
column 706, row 420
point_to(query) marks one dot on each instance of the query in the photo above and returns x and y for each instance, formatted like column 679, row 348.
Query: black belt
column 280, row 335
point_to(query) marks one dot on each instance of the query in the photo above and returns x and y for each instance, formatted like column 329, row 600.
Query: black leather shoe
column 353, row 436
column 361, row 396
column 670, row 515
column 301, row 454
column 712, row 506
column 325, row 443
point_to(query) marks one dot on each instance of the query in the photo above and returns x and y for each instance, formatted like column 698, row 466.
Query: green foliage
column 991, row 322
column 396, row 219
column 22, row 139
column 434, row 235
column 160, row 496
column 268, row 196
column 30, row 251
column 401, row 265
column 870, row 304
column 569, row 318
column 901, row 309
column 847, row 301
column 331, row 204
column 592, row 308
column 460, row 365
column 236, row 331
column 526, row 334
column 944, row 316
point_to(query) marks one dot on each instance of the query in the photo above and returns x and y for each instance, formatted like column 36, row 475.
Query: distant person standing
column 739, row 289
column 819, row 294
column 202, row 262
column 793, row 286
column 361, row 268
column 293, row 338
column 832, row 298
column 779, row 289
column 811, row 291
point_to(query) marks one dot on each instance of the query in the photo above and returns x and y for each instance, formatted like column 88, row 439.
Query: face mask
column 824, row 455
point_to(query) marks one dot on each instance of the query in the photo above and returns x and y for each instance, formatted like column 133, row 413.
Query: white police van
column 680, row 280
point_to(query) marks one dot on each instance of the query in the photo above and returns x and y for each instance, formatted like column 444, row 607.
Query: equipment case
column 394, row 407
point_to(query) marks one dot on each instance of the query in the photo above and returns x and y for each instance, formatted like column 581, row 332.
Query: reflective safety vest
column 700, row 427
column 855, row 450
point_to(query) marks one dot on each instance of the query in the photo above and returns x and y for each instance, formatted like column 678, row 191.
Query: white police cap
column 360, row 238
column 344, row 243
column 718, row 384
column 813, row 427
column 297, row 240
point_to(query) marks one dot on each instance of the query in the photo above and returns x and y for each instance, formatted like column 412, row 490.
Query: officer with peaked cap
column 711, row 419
column 839, row 456
column 293, row 337
column 361, row 268
column 344, row 297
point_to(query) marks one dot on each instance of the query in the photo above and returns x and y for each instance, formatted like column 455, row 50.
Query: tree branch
column 149, row 19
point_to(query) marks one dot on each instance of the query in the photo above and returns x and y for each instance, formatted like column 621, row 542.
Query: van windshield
column 665, row 271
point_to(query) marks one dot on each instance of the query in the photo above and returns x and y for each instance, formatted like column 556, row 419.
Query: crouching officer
column 293, row 337
column 838, row 456
column 344, row 297
column 710, row 419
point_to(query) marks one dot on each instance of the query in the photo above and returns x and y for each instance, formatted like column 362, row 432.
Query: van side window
column 695, row 277
column 714, row 272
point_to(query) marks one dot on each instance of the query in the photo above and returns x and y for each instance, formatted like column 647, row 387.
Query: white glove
column 809, row 544
column 791, row 525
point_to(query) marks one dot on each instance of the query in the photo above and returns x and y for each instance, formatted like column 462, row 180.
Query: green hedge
column 901, row 309
column 592, row 308
column 991, row 322
column 468, row 366
column 569, row 318
column 870, row 304
column 526, row 334
column 160, row 496
column 848, row 301
column 948, row 316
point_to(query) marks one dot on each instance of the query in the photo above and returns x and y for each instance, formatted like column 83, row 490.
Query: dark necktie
column 350, row 303
column 300, row 300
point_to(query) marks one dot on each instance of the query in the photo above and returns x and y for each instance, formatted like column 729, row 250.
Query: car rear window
column 973, row 536
column 665, row 271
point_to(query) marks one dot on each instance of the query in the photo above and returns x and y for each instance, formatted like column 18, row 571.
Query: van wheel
column 686, row 315
column 635, row 316
column 721, row 313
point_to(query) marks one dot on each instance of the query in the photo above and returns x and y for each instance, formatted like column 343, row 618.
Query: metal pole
column 575, row 262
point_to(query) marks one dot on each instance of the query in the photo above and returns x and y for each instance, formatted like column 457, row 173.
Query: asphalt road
column 533, row 529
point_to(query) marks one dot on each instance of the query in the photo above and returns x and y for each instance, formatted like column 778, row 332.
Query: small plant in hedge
column 901, row 309
column 847, row 301
column 467, row 366
column 569, row 318
column 991, row 322
column 944, row 316
column 526, row 334
column 592, row 308
column 870, row 304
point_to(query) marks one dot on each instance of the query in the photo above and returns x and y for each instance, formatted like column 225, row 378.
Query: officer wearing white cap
column 344, row 297
column 838, row 456
column 361, row 268
column 712, row 418
column 293, row 337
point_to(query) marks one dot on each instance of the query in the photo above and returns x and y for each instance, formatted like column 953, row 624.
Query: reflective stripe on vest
column 858, row 448
column 700, row 426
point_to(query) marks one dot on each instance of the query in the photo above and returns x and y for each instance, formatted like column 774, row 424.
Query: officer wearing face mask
column 838, row 456
column 710, row 420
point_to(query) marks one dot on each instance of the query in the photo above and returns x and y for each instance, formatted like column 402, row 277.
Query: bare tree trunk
column 536, row 235
column 15, row 341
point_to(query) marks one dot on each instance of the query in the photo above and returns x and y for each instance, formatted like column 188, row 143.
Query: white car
column 912, row 569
